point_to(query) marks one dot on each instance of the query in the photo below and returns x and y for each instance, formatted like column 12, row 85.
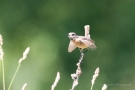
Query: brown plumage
column 81, row 41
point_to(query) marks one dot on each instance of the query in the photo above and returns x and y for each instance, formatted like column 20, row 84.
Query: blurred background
column 43, row 24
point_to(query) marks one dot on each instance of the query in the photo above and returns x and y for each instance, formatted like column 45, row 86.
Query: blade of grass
column 91, row 87
column 19, row 64
column 1, row 58
column 3, row 75
column 14, row 76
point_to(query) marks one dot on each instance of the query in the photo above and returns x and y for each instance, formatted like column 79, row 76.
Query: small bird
column 81, row 42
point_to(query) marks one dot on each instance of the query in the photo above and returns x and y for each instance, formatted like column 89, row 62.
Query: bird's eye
column 73, row 34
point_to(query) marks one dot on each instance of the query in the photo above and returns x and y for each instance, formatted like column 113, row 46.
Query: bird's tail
column 93, row 47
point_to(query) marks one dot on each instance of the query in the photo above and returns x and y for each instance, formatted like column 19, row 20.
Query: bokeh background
column 43, row 24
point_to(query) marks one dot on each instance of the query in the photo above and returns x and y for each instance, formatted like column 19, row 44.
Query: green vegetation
column 43, row 25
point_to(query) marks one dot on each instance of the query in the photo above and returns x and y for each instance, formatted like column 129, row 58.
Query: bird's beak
column 66, row 34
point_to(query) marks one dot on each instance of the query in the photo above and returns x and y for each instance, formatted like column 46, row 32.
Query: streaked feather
column 71, row 46
column 87, row 31
column 89, row 43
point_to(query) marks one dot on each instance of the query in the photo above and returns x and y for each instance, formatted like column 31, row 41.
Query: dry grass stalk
column 94, row 77
column 104, row 87
column 76, row 75
column 19, row 64
column 24, row 86
column 24, row 54
column 1, row 58
column 56, row 81
column 1, row 50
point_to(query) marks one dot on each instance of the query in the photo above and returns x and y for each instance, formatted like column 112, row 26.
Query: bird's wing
column 87, row 31
column 89, row 43
column 71, row 46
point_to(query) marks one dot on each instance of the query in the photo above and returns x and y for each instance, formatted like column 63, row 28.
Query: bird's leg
column 81, row 51
column 81, row 57
column 86, row 50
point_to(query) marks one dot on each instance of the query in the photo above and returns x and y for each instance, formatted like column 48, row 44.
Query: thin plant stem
column 14, row 76
column 91, row 87
column 96, row 74
column 3, row 75
column 76, row 75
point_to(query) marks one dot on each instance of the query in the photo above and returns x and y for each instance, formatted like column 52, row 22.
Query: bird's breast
column 78, row 43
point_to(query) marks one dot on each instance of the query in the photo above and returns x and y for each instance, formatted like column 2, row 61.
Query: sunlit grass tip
column 24, row 86
column 96, row 74
column 24, row 54
column 1, row 50
column 1, row 40
column 104, row 87
column 56, row 81
column 19, row 64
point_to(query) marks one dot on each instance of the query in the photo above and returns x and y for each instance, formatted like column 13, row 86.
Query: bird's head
column 72, row 35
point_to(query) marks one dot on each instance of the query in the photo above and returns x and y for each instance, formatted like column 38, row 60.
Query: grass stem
column 14, row 76
column 91, row 87
column 3, row 75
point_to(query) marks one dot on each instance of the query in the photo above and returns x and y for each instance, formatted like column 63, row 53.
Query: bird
column 81, row 42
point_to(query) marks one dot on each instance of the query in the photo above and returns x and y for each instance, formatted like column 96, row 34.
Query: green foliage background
column 43, row 24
